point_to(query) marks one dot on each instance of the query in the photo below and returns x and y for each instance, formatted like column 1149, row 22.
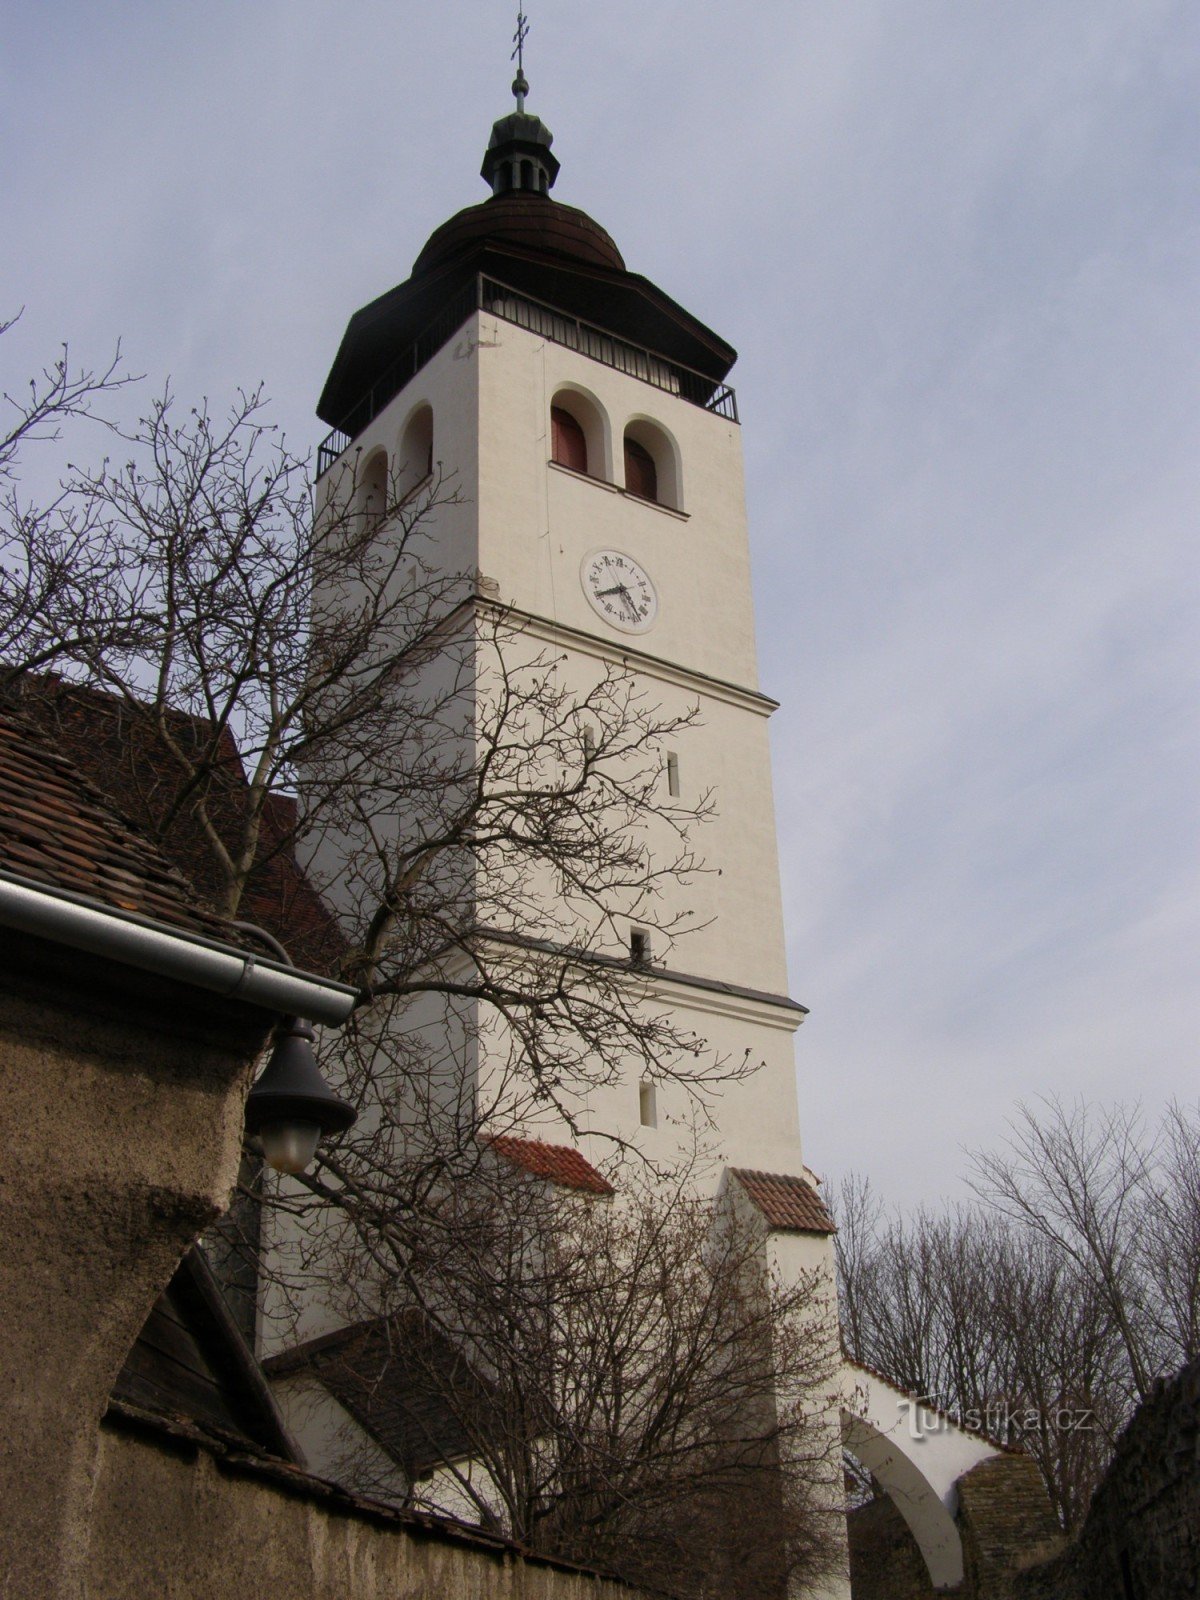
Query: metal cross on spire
column 520, row 86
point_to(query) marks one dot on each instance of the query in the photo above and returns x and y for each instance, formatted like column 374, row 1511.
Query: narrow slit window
column 639, row 947
column 648, row 1105
column 672, row 773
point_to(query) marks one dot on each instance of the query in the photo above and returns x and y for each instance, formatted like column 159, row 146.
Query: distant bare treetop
column 1048, row 1309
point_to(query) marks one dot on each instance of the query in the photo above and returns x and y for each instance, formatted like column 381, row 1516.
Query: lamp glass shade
column 289, row 1146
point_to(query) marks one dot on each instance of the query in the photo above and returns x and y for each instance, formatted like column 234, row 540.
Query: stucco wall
column 120, row 1128
column 177, row 1517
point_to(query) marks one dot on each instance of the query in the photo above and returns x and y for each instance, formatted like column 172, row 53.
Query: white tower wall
column 524, row 526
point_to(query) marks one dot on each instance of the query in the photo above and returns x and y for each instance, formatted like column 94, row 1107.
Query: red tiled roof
column 58, row 829
column 123, row 757
column 788, row 1203
column 557, row 1163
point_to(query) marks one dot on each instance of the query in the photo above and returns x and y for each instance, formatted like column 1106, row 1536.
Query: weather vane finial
column 520, row 87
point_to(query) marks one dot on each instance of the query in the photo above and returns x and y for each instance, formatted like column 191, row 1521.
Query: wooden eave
column 622, row 303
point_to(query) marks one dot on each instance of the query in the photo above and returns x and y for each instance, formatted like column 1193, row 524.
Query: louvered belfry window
column 641, row 475
column 568, row 445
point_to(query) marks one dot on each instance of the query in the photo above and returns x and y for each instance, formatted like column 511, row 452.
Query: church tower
column 587, row 422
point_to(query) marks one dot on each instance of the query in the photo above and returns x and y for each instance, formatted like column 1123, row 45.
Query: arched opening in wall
column 641, row 475
column 925, row 1535
column 578, row 433
column 652, row 464
column 416, row 452
column 373, row 487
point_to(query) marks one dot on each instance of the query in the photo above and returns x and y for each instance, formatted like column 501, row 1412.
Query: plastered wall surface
column 172, row 1520
column 120, row 1131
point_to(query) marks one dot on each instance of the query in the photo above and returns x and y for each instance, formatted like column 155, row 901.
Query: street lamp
column 291, row 1107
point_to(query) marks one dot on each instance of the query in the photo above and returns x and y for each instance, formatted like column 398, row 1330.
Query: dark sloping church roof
column 191, row 1360
column 403, row 1381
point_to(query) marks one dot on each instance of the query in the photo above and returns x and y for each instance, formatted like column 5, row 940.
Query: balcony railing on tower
column 487, row 294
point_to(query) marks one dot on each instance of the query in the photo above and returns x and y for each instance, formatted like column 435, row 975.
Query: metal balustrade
column 487, row 294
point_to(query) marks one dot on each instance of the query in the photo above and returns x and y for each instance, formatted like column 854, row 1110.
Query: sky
column 957, row 247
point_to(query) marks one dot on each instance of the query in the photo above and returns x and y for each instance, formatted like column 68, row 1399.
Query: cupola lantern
column 518, row 159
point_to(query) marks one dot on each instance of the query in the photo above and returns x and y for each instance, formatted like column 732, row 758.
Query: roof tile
column 58, row 829
column 116, row 747
column 788, row 1203
column 557, row 1163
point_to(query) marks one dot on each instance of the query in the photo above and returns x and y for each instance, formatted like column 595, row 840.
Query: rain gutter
column 83, row 923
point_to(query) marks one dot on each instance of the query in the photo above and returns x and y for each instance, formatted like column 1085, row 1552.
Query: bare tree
column 1169, row 1240
column 1045, row 1312
column 58, row 582
column 1077, row 1177
column 614, row 1380
column 58, row 394
column 253, row 678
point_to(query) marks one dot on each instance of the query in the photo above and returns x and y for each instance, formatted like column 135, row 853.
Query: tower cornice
column 658, row 667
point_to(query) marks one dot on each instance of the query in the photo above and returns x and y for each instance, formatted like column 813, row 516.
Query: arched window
column 568, row 443
column 652, row 464
column 373, row 487
column 416, row 451
column 641, row 475
column 580, row 437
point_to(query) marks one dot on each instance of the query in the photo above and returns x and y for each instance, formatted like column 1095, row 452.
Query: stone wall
column 1141, row 1539
column 1005, row 1522
column 885, row 1563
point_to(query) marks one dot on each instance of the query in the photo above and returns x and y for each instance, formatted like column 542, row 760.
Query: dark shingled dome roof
column 532, row 221
column 524, row 242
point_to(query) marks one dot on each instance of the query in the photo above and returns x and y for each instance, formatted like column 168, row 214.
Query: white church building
column 587, row 423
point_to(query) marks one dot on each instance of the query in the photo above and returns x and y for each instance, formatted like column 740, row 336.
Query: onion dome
column 526, row 243
column 521, row 170
column 529, row 221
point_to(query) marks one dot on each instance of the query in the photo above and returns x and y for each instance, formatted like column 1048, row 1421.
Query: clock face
column 619, row 591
